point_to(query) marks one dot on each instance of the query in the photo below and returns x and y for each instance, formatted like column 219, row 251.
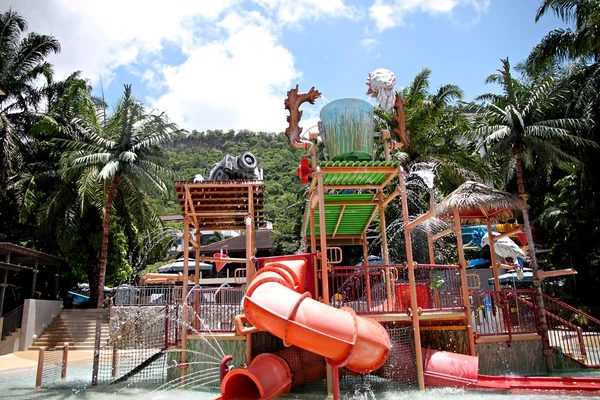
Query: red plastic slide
column 458, row 370
column 275, row 302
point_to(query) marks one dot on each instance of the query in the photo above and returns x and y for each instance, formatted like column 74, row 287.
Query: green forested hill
column 200, row 150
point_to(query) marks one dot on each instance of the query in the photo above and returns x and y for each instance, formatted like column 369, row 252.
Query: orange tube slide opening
column 274, row 302
column 267, row 377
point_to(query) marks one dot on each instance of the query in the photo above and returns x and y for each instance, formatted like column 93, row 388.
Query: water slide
column 458, row 370
column 275, row 302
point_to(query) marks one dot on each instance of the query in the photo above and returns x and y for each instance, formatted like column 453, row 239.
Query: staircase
column 76, row 327
column 573, row 333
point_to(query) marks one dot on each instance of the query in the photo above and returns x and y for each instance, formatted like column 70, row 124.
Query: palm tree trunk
column 102, row 276
column 546, row 349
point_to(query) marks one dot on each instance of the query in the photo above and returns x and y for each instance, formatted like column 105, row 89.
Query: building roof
column 24, row 258
column 263, row 238
column 477, row 203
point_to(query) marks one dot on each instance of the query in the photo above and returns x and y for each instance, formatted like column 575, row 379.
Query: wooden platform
column 221, row 205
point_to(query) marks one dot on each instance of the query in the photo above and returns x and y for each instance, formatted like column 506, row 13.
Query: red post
column 336, row 383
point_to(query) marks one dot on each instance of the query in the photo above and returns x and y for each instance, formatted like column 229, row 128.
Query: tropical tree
column 22, row 63
column 515, row 122
column 565, row 44
column 122, row 152
column 436, row 124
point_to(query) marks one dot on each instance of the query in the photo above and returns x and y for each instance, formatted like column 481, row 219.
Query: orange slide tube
column 274, row 303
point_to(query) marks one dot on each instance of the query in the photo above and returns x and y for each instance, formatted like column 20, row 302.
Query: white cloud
column 291, row 12
column 388, row 14
column 234, row 71
column 369, row 44
column 98, row 37
column 238, row 82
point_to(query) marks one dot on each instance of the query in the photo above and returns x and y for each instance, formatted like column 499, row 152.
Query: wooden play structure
column 216, row 205
column 320, row 320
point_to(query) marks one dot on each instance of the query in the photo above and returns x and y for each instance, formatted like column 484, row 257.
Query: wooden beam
column 229, row 184
column 194, row 243
column 420, row 219
column 370, row 219
column 483, row 211
column 515, row 337
column 442, row 234
column 443, row 328
column 218, row 214
column 391, row 197
column 387, row 181
column 190, row 204
column 337, row 225
column 514, row 232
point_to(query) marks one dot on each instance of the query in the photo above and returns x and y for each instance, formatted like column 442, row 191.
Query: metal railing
column 147, row 295
column 574, row 332
column 215, row 308
column 12, row 321
column 504, row 312
column 364, row 288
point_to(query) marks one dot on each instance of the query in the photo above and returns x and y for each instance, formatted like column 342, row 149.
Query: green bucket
column 349, row 127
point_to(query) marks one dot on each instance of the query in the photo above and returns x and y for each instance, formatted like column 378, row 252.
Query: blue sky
column 226, row 64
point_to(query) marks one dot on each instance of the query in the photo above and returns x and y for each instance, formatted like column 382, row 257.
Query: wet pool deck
column 28, row 359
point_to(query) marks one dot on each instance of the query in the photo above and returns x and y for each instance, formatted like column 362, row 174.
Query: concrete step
column 76, row 327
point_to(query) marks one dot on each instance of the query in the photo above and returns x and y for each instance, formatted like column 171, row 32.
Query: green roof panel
column 355, row 216
column 353, row 178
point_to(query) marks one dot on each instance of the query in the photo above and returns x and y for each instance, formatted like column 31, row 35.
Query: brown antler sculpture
column 400, row 118
column 292, row 103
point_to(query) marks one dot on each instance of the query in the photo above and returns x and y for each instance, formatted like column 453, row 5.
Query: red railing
column 504, row 312
column 365, row 288
column 574, row 332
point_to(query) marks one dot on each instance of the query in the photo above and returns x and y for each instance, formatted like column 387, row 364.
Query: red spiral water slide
column 275, row 302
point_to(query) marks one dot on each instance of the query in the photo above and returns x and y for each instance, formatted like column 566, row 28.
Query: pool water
column 19, row 385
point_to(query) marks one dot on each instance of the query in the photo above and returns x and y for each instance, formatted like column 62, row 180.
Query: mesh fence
column 399, row 372
column 53, row 364
column 136, row 348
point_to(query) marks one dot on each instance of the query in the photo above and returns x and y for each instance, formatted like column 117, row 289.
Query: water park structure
column 307, row 322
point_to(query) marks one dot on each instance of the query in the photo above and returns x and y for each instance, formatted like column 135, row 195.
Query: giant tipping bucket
column 349, row 126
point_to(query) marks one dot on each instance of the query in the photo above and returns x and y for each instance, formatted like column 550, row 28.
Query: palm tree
column 436, row 125
column 567, row 44
column 515, row 123
column 121, row 151
column 22, row 63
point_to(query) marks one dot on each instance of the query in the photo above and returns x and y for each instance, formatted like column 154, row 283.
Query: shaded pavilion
column 476, row 203
column 15, row 258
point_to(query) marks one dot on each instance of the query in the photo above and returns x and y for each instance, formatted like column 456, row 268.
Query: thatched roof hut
column 477, row 203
